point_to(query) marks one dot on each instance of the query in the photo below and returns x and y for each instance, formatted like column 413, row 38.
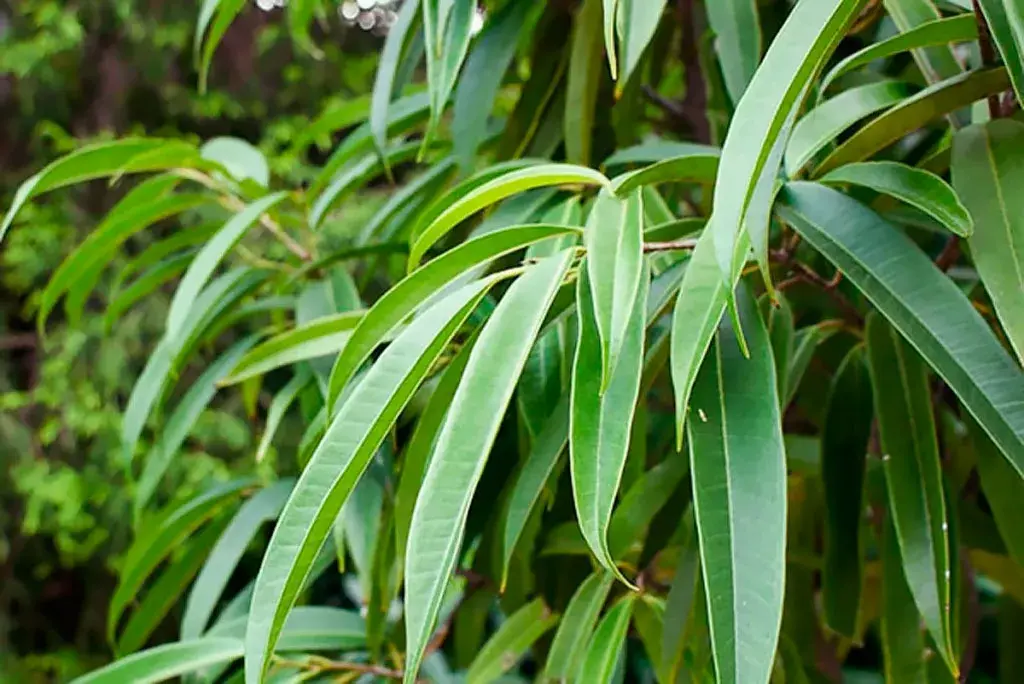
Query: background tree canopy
column 505, row 341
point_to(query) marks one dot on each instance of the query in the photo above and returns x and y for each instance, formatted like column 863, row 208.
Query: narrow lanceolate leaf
column 738, row 466
column 737, row 41
column 503, row 650
column 929, row 310
column 98, row 161
column 903, row 646
column 1005, row 20
column 913, row 475
column 547, row 447
column 605, row 647
column 409, row 294
column 987, row 174
column 226, row 11
column 262, row 507
column 679, row 603
column 610, row 14
column 166, row 662
column 690, row 168
column 481, row 78
column 818, row 129
column 474, row 417
column 494, row 191
column 320, row 337
column 956, row 29
column 699, row 308
column 400, row 33
column 209, row 257
column 614, row 240
column 574, row 631
column 602, row 417
column 334, row 469
column 917, row 187
column 781, row 326
column 445, row 60
column 642, row 502
column 279, row 406
column 583, row 81
column 638, row 23
column 1004, row 491
column 161, row 538
column 844, row 444
column 936, row 63
column 806, row 39
column 913, row 113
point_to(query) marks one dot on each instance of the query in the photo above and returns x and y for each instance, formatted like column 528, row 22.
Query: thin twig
column 317, row 664
column 988, row 56
column 670, row 107
column 232, row 203
column 695, row 104
column 949, row 254
column 686, row 243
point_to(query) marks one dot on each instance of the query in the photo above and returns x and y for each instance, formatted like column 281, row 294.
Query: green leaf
column 818, row 129
column 444, row 59
column 300, row 16
column 737, row 30
column 96, row 161
column 689, row 168
column 642, row 502
column 649, row 622
column 903, row 646
column 128, row 296
column 533, row 479
column 805, row 343
column 166, row 591
column 614, row 242
column 699, row 308
column 439, row 517
column 778, row 320
column 606, row 645
column 918, row 188
column 679, row 603
column 493, row 191
column 738, row 466
column 936, row 63
column 913, row 113
column 209, row 257
column 318, row 338
column 925, row 306
column 226, row 11
column 584, row 79
column 656, row 150
column 239, row 158
column 262, row 507
column 568, row 647
column 309, row 628
column 1003, row 489
column 602, row 417
column 409, row 294
column 167, row 661
column 610, row 16
column 399, row 35
column 481, row 78
column 844, row 445
column 913, row 475
column 336, row 116
column 351, row 440
column 160, row 539
column 808, row 36
column 517, row 634
column 638, row 22
column 182, row 420
column 986, row 174
column 957, row 29
column 278, row 407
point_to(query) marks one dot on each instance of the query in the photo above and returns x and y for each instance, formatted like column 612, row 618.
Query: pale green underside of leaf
column 165, row 662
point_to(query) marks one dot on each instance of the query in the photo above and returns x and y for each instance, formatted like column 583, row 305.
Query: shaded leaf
column 606, row 645
column 737, row 29
column 584, row 77
column 507, row 645
column 569, row 645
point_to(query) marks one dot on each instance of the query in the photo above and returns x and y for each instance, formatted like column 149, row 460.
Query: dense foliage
column 684, row 344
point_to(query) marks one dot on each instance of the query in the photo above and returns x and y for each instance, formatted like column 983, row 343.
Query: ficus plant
column 649, row 369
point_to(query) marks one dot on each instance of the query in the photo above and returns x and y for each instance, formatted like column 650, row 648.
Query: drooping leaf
column 779, row 321
column 936, row 63
column 986, row 174
column 400, row 34
column 642, row 502
column 512, row 639
column 917, row 187
column 342, row 456
column 913, row 113
column 240, row 158
column 206, row 592
column 925, row 306
column 682, row 596
column 444, row 59
column 167, row 661
column 808, row 36
column 610, row 19
column 574, row 631
column 212, row 27
column 738, row 466
column 606, row 645
column 913, row 476
column 584, row 77
column 638, row 22
column 818, row 129
column 614, row 242
column 903, row 645
column 737, row 29
column 690, row 168
column 844, row 445
column 462, row 447
column 1003, row 489
column 406, row 296
column 602, row 417
column 495, row 190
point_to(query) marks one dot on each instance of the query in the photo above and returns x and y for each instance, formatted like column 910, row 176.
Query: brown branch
column 686, row 243
column 949, row 254
column 805, row 274
column 19, row 341
column 670, row 107
column 695, row 104
column 988, row 56
column 318, row 664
